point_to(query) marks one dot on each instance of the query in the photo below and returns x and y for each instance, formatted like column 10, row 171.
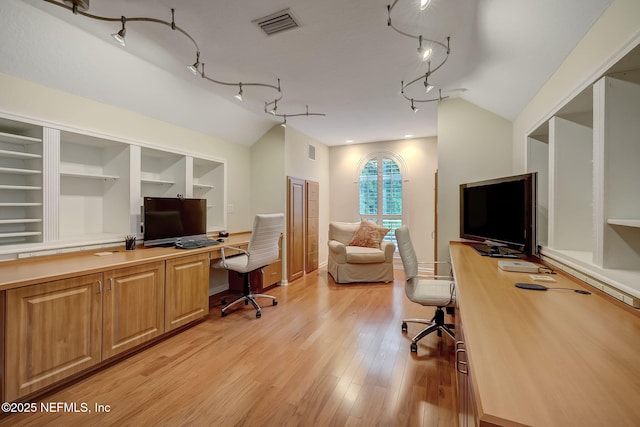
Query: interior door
column 312, row 225
column 295, row 228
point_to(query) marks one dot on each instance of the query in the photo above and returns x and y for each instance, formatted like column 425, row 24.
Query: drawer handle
column 110, row 283
column 99, row 286
column 459, row 362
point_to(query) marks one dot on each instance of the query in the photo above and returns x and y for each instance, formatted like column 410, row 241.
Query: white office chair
column 436, row 290
column 262, row 251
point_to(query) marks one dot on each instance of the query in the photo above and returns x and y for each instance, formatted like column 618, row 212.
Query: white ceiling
column 343, row 61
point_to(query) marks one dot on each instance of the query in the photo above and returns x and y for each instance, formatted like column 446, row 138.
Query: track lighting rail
column 79, row 7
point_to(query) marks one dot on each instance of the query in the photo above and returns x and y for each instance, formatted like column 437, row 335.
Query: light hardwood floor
column 326, row 355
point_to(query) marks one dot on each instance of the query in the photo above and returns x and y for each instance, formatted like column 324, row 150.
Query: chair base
column 248, row 297
column 435, row 325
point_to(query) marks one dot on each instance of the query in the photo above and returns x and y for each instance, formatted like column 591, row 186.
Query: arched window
column 381, row 193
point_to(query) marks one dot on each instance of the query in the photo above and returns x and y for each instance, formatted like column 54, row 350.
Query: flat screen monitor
column 167, row 220
column 501, row 211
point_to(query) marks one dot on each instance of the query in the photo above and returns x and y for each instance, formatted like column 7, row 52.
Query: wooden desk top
column 546, row 358
column 14, row 274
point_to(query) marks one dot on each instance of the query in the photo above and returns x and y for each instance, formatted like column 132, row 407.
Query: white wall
column 420, row 161
column 615, row 33
column 268, row 179
column 473, row 145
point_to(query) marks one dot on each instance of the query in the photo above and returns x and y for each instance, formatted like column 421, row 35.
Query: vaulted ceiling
column 343, row 60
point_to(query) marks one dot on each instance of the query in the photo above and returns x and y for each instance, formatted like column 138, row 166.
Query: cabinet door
column 272, row 274
column 53, row 330
column 187, row 290
column 133, row 307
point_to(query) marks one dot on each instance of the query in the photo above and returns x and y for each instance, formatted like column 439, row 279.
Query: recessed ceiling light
column 408, row 135
column 349, row 141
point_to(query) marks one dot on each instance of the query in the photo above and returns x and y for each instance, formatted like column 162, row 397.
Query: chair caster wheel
column 224, row 313
column 223, row 301
column 258, row 315
column 275, row 302
column 414, row 347
column 404, row 326
column 439, row 333
column 246, row 302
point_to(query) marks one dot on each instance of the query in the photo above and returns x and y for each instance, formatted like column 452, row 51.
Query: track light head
column 120, row 35
column 427, row 87
column 284, row 122
column 413, row 107
column 194, row 68
column 78, row 5
column 424, row 4
column 238, row 96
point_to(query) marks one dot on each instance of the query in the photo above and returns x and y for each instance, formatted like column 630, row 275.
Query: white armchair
column 350, row 264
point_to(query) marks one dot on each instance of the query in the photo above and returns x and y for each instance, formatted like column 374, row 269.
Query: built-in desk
column 65, row 315
column 542, row 358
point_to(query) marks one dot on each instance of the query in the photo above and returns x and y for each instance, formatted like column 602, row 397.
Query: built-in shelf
column 203, row 187
column 20, row 220
column 625, row 222
column 19, row 155
column 157, row 181
column 20, row 187
column 20, row 234
column 17, row 171
column 98, row 176
column 18, row 139
column 19, row 204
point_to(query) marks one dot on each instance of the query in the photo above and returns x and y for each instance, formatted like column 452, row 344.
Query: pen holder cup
column 130, row 244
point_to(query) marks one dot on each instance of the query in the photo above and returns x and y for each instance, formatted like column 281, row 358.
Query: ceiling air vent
column 277, row 22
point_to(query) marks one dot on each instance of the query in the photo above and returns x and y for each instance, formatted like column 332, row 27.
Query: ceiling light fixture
column 273, row 112
column 238, row 96
column 431, row 51
column 424, row 4
column 194, row 68
column 120, row 35
column 81, row 6
column 77, row 5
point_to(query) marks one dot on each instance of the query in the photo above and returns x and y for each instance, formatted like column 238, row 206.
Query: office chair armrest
column 235, row 248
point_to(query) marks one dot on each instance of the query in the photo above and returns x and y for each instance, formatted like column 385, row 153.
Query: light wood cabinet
column 187, row 290
column 53, row 330
column 133, row 307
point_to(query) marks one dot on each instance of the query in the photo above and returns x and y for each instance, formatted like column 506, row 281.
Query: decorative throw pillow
column 369, row 235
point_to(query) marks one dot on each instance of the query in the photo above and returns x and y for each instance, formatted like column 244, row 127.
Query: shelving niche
column 94, row 188
column 21, row 182
column 208, row 183
column 586, row 156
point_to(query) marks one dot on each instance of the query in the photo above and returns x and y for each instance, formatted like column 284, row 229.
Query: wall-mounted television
column 500, row 212
column 167, row 220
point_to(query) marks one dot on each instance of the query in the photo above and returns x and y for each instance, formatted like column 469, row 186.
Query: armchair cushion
column 368, row 235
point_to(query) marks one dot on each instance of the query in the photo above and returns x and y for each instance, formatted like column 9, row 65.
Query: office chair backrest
column 407, row 253
column 263, row 245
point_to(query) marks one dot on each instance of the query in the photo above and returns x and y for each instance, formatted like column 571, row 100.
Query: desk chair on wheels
column 436, row 290
column 262, row 251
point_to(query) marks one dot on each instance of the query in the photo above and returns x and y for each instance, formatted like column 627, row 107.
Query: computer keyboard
column 194, row 244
